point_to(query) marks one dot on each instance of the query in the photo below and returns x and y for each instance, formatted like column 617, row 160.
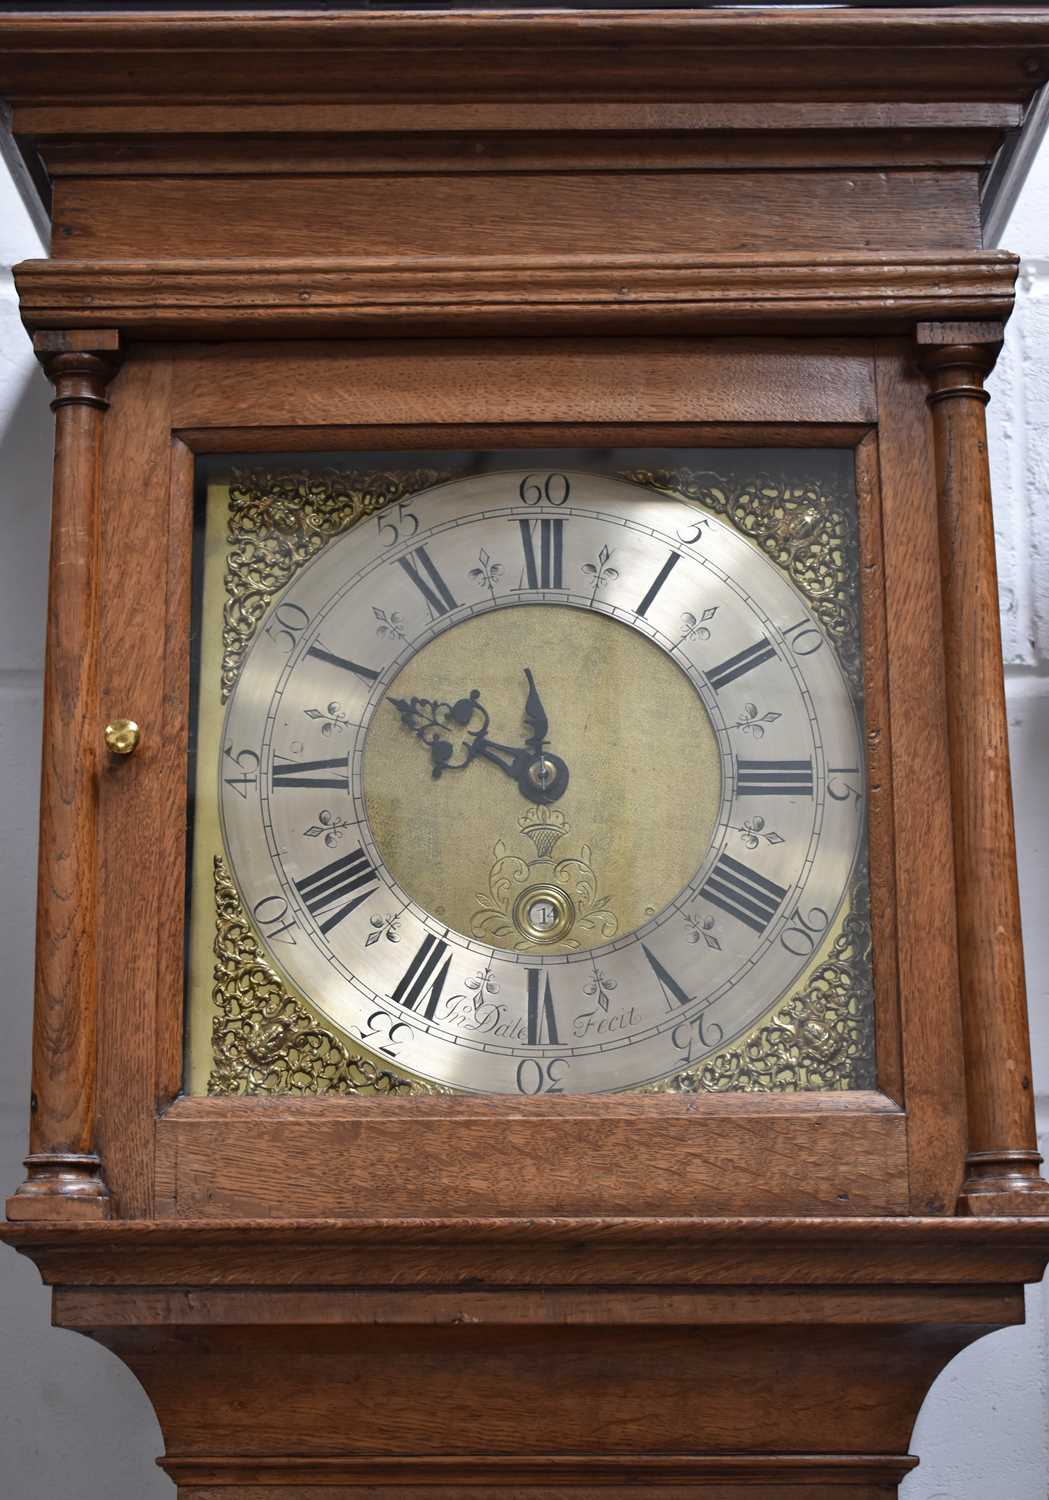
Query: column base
column 61, row 1187
column 1004, row 1184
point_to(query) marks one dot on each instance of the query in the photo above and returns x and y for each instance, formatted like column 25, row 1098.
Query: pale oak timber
column 926, row 952
column 140, row 803
column 281, row 297
column 65, row 1179
column 1003, row 1159
column 532, row 213
column 879, row 55
column 631, row 1251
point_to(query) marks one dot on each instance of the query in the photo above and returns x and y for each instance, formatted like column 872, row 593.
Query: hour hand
column 445, row 728
column 456, row 734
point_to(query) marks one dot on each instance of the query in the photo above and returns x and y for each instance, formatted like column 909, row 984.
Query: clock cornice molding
column 290, row 297
column 865, row 54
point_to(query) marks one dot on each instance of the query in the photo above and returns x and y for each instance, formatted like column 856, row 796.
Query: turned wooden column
column 65, row 1178
column 1003, row 1161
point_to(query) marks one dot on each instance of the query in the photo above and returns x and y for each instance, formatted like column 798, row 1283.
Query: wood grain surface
column 482, row 292
column 1003, row 1160
column 65, row 1176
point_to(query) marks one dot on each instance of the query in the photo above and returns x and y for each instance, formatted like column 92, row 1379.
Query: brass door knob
column 122, row 736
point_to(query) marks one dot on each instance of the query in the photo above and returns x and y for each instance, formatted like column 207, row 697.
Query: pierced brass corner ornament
column 820, row 1040
column 803, row 526
column 278, row 521
column 264, row 1040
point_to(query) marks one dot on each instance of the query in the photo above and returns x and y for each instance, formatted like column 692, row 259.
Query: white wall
column 984, row 1428
column 73, row 1422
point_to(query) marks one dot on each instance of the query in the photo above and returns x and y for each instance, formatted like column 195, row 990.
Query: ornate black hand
column 535, row 715
column 445, row 728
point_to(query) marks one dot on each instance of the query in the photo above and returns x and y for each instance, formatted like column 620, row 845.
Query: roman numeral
column 424, row 970
column 750, row 898
column 743, row 661
column 541, row 1015
column 667, row 983
column 300, row 773
column 544, row 572
column 343, row 661
column 774, row 778
column 433, row 588
column 328, row 888
column 658, row 582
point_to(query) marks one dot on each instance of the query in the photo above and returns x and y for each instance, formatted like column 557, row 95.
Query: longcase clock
column 529, row 986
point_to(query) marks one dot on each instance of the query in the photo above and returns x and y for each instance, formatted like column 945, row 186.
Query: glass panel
column 528, row 772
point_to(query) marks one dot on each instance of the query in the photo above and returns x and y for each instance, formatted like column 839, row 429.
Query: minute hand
column 535, row 715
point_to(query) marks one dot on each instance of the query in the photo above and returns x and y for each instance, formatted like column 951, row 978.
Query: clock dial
column 551, row 786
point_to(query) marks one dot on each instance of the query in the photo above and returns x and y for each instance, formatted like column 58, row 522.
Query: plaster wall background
column 74, row 1424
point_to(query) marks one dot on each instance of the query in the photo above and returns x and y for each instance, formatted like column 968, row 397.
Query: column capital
column 79, row 363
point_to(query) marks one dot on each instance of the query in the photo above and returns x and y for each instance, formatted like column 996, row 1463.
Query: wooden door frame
column 201, row 1158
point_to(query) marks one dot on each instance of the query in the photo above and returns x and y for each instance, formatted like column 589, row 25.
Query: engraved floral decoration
column 487, row 573
column 695, row 627
column 601, row 571
column 821, row 1038
column 753, row 722
column 804, row 526
column 701, row 930
column 483, row 984
column 333, row 719
column 390, row 626
column 753, row 832
column 510, row 875
column 278, row 521
column 329, row 826
column 264, row 1040
column 600, row 988
column 386, row 926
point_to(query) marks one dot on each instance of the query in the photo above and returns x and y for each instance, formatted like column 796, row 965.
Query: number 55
column 391, row 531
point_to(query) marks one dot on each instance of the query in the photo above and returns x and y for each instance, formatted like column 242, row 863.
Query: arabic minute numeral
column 288, row 623
column 696, row 1029
column 421, row 570
column 841, row 791
column 541, row 1014
column 247, row 762
column 393, row 532
column 803, row 931
column 273, row 919
column 544, row 571
column 534, row 1077
column 424, row 977
column 553, row 488
column 392, row 1034
column 327, row 889
column 803, row 637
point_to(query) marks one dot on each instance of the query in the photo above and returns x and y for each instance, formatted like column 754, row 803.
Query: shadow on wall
column 73, row 1420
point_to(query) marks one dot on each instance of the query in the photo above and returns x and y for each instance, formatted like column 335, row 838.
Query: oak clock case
column 526, row 774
